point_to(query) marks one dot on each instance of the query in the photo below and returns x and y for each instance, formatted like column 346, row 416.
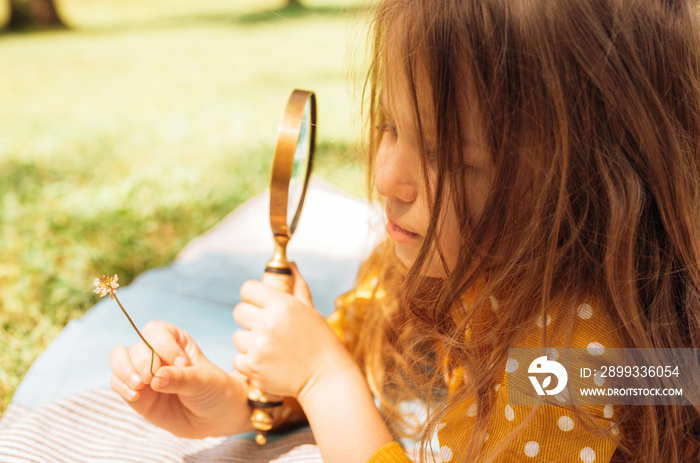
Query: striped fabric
column 97, row 426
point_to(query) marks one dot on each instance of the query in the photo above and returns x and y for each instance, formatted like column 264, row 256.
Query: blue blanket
column 64, row 411
column 197, row 296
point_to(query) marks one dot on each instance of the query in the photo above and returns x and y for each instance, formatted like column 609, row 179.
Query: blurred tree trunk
column 293, row 3
column 33, row 14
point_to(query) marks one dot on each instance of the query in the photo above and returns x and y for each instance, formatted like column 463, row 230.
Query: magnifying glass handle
column 278, row 274
column 293, row 158
column 263, row 406
column 278, row 280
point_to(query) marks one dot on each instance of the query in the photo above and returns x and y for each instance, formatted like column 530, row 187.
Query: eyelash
column 388, row 128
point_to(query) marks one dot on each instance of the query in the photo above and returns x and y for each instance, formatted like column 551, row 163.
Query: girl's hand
column 188, row 396
column 287, row 346
column 290, row 350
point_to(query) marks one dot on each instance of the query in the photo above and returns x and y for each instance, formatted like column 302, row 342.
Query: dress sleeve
column 390, row 453
column 350, row 308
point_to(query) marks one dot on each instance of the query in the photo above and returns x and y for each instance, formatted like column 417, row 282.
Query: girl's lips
column 399, row 234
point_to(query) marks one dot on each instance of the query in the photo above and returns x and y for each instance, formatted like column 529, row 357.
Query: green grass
column 138, row 129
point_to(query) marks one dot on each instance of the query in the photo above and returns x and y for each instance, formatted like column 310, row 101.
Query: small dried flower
column 108, row 285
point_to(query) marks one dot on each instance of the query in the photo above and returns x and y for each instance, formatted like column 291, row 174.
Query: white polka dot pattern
column 565, row 423
column 445, row 453
column 584, row 311
column 510, row 414
column 538, row 322
column 595, row 348
column 608, row 411
column 532, row 448
column 587, row 455
column 511, row 365
column 598, row 379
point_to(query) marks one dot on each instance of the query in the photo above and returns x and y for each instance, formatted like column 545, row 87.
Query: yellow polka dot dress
column 519, row 433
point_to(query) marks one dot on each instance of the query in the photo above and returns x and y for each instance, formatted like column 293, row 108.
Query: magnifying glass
column 291, row 169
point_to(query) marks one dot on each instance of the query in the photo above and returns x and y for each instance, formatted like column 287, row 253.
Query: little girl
column 538, row 163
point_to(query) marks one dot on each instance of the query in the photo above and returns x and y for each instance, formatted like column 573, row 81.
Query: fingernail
column 134, row 379
column 180, row 361
column 130, row 394
column 162, row 380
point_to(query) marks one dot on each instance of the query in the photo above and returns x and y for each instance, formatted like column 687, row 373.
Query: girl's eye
column 388, row 129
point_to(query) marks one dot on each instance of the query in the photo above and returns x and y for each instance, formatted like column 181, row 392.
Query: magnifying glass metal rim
column 282, row 165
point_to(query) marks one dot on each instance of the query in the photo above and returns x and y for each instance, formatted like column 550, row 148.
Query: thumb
column 300, row 289
column 185, row 381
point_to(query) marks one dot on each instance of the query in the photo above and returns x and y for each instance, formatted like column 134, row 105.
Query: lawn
column 139, row 128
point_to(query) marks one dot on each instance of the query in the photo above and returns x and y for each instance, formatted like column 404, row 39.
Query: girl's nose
column 395, row 174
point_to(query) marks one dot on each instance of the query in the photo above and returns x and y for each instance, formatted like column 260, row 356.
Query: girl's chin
column 407, row 256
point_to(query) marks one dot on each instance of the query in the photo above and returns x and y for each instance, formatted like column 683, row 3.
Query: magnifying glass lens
column 300, row 169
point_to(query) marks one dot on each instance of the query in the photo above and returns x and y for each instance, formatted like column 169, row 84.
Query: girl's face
column 401, row 183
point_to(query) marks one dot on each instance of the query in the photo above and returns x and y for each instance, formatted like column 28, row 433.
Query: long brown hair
column 592, row 113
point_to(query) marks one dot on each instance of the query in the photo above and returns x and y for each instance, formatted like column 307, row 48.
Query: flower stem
column 153, row 352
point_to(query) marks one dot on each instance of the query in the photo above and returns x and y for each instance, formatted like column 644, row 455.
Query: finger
column 242, row 340
column 186, row 381
column 169, row 342
column 123, row 369
column 246, row 315
column 125, row 392
column 260, row 295
column 240, row 363
column 144, row 360
column 300, row 288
